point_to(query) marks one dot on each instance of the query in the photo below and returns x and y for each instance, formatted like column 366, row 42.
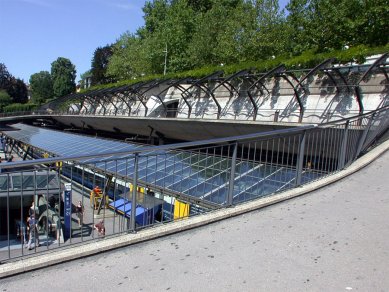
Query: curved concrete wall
column 322, row 100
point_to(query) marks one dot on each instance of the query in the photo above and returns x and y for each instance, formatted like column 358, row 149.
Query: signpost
column 68, row 209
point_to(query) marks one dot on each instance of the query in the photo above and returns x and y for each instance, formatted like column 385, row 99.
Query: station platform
column 14, row 247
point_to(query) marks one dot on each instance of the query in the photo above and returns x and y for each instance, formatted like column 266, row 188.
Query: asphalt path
column 333, row 239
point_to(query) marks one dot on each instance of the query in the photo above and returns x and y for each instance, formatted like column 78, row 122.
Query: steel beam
column 200, row 84
column 277, row 70
column 297, row 96
column 379, row 61
column 321, row 66
column 357, row 89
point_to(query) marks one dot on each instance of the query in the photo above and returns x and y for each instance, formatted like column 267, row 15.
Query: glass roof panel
column 197, row 174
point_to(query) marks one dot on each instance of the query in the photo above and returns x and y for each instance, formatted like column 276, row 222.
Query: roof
column 198, row 174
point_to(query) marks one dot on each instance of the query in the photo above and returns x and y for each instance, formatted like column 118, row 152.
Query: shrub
column 308, row 59
column 19, row 107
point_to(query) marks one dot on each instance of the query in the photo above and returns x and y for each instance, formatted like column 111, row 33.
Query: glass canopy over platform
column 200, row 174
column 29, row 183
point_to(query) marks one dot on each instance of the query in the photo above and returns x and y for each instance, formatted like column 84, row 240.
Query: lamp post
column 164, row 68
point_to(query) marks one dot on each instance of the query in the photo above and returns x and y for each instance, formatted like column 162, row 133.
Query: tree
column 41, row 87
column 236, row 31
column 324, row 25
column 18, row 91
column 63, row 74
column 331, row 24
column 213, row 40
column 5, row 99
column 155, row 14
column 5, row 76
column 200, row 5
column 171, row 24
column 297, row 20
column 99, row 65
column 270, row 37
column 372, row 26
column 130, row 58
column 200, row 33
column 176, row 33
column 15, row 88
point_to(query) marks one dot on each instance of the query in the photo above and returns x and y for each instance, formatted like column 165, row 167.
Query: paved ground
column 334, row 239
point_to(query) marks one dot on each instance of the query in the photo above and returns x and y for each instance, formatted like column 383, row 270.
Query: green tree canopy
column 5, row 76
column 15, row 88
column 18, row 91
column 200, row 33
column 99, row 65
column 63, row 74
column 5, row 99
column 129, row 58
column 41, row 87
column 327, row 24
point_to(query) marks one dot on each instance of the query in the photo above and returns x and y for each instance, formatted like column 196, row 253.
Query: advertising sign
column 67, row 209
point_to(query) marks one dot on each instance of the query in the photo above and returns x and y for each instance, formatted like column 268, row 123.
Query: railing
column 264, row 115
column 170, row 182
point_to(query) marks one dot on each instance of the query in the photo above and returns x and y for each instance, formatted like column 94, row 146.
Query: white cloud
column 124, row 6
column 134, row 5
column 41, row 3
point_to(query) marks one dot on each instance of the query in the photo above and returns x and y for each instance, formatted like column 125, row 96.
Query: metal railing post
column 134, row 193
column 8, row 214
column 300, row 158
column 364, row 135
column 47, row 209
column 343, row 147
column 232, row 175
column 23, row 228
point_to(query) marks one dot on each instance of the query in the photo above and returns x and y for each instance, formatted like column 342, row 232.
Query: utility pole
column 164, row 68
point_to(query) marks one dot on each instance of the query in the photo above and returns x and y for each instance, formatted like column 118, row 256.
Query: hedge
column 307, row 59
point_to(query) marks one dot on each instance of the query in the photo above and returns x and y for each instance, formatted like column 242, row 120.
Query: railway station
column 154, row 153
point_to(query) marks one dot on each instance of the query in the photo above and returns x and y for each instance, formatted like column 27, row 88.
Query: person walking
column 33, row 232
column 100, row 228
column 80, row 213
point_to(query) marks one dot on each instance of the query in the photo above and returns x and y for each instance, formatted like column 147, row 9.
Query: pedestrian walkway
column 333, row 239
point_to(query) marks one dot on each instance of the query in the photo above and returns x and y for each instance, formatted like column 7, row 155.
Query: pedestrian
column 80, row 213
column 96, row 194
column 33, row 232
column 100, row 228
column 32, row 211
column 2, row 141
column 58, row 230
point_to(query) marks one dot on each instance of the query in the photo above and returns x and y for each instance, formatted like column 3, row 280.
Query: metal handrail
column 236, row 169
column 223, row 140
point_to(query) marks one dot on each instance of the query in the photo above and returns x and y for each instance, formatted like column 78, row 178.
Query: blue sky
column 34, row 33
